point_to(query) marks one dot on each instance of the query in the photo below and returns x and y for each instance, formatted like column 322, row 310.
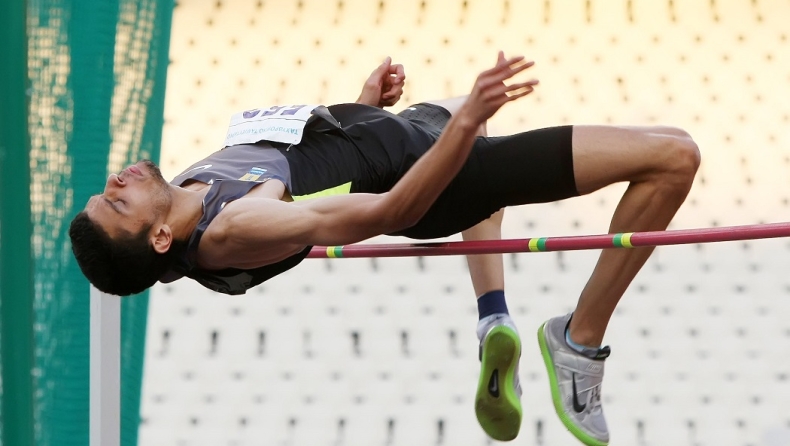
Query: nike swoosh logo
column 493, row 384
column 205, row 166
column 579, row 408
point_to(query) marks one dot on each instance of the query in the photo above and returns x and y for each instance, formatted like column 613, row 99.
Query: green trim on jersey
column 337, row 190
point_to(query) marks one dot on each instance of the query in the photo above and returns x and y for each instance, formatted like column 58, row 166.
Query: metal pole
column 545, row 244
column 16, row 263
column 105, row 369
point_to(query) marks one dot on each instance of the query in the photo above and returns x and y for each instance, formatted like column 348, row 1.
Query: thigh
column 460, row 206
column 604, row 155
column 530, row 167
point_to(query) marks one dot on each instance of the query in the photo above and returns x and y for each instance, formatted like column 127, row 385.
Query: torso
column 322, row 161
column 272, row 189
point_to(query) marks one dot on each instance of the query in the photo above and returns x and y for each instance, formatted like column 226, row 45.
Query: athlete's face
column 133, row 200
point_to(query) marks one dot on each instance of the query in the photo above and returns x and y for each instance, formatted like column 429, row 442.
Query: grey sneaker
column 498, row 399
column 575, row 380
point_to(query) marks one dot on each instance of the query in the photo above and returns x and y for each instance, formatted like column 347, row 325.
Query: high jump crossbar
column 566, row 243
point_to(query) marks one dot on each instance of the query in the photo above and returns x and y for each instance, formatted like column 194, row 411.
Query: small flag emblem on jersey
column 253, row 174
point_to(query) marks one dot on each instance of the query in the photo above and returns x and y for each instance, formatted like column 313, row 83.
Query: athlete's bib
column 281, row 123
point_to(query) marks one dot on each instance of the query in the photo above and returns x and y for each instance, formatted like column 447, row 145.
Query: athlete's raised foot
column 575, row 379
column 498, row 399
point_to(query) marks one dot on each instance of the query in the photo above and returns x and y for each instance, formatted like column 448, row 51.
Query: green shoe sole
column 497, row 405
column 555, row 394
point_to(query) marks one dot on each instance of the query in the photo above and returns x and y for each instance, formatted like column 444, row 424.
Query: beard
column 163, row 197
column 154, row 170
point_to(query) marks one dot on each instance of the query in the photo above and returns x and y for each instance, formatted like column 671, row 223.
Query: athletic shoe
column 498, row 399
column 575, row 380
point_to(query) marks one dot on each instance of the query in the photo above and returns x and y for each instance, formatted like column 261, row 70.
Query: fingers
column 519, row 85
column 503, row 72
column 514, row 92
column 397, row 74
column 392, row 95
column 490, row 91
column 520, row 94
column 505, row 63
column 392, row 87
column 511, row 68
column 491, row 79
column 514, row 89
column 500, row 58
column 380, row 74
column 382, row 69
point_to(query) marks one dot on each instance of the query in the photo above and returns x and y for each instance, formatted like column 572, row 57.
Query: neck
column 185, row 211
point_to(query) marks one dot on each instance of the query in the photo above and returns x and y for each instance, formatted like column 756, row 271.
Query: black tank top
column 230, row 174
column 371, row 150
column 229, row 280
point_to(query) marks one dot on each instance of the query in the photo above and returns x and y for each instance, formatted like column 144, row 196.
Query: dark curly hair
column 128, row 265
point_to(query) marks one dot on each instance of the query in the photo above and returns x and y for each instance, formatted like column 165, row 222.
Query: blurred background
column 383, row 351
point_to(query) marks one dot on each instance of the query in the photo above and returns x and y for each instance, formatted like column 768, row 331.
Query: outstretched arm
column 265, row 230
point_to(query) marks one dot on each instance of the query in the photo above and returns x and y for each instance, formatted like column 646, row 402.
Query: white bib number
column 281, row 123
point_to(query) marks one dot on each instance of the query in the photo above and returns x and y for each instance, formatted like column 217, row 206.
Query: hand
column 490, row 91
column 384, row 87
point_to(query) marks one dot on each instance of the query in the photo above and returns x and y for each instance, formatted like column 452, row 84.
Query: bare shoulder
column 250, row 232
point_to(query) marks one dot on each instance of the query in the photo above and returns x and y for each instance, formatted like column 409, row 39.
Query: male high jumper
column 234, row 219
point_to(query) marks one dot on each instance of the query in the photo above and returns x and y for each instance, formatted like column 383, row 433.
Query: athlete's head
column 121, row 240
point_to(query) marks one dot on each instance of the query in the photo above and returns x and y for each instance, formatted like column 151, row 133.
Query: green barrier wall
column 97, row 71
column 16, row 266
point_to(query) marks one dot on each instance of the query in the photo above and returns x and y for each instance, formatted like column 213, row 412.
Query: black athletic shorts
column 375, row 148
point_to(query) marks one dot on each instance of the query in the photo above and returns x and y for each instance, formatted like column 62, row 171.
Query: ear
column 161, row 239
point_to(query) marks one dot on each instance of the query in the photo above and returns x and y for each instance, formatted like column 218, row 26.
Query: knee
column 679, row 155
column 686, row 151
